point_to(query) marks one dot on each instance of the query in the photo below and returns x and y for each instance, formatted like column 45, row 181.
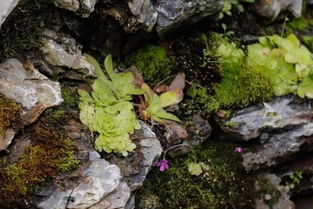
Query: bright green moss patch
column 221, row 185
column 10, row 114
column 152, row 61
column 300, row 23
column 70, row 98
column 21, row 30
column 308, row 41
column 50, row 153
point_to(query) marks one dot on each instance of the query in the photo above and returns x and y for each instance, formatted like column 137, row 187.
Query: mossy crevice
column 50, row 153
column 22, row 29
column 152, row 61
column 10, row 114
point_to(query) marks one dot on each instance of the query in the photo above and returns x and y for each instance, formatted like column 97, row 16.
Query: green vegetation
column 152, row 62
column 156, row 103
column 229, row 5
column 274, row 66
column 108, row 110
column 50, row 153
column 240, row 85
column 216, row 181
column 70, row 99
column 267, row 188
column 294, row 179
column 10, row 114
column 22, row 29
column 300, row 23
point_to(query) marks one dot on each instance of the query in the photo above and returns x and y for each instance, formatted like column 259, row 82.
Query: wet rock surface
column 282, row 128
column 83, row 7
column 26, row 86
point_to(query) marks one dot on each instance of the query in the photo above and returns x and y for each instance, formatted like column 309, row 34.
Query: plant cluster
column 230, row 4
column 274, row 66
column 286, row 63
column 108, row 110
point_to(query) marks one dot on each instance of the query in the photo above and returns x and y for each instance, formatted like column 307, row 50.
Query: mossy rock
column 152, row 61
column 223, row 184
column 10, row 114
column 50, row 154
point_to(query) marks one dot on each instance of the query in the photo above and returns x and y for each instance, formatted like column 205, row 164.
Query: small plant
column 294, row 179
column 229, row 5
column 108, row 110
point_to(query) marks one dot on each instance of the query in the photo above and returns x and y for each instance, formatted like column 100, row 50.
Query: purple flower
column 238, row 149
column 163, row 165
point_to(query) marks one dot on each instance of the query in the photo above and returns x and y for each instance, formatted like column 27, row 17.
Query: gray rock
column 283, row 127
column 84, row 7
column 144, row 12
column 271, row 9
column 116, row 200
column 174, row 13
column 99, row 179
column 61, row 50
column 31, row 89
column 282, row 193
column 6, row 7
column 281, row 113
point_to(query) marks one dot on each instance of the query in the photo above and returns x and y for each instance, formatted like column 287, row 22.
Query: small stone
column 267, row 197
column 74, row 135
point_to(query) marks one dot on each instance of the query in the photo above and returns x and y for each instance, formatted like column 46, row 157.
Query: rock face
column 283, row 127
column 271, row 9
column 25, row 85
column 173, row 13
column 85, row 7
column 6, row 7
column 144, row 12
column 61, row 50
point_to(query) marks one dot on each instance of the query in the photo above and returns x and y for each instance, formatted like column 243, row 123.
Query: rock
column 136, row 167
column 281, row 113
column 174, row 13
column 283, row 128
column 279, row 191
column 99, row 180
column 271, row 9
column 6, row 7
column 61, row 50
column 144, row 12
column 115, row 200
column 28, row 87
column 84, row 7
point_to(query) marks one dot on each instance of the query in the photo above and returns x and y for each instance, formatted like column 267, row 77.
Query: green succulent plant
column 107, row 109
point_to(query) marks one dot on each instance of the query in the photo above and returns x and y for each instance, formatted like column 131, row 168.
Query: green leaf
column 169, row 98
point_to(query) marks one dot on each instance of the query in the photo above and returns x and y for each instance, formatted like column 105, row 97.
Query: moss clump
column 267, row 188
column 221, row 185
column 300, row 23
column 308, row 41
column 70, row 98
column 50, row 154
column 22, row 29
column 152, row 62
column 10, row 114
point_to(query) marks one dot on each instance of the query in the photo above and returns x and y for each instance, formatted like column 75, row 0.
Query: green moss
column 152, row 62
column 10, row 114
column 70, row 98
column 50, row 154
column 222, row 184
column 308, row 41
column 21, row 30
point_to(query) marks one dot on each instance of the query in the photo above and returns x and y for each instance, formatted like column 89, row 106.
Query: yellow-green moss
column 70, row 98
column 152, row 61
column 300, row 23
column 10, row 114
column 222, row 185
column 21, row 30
column 50, row 153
